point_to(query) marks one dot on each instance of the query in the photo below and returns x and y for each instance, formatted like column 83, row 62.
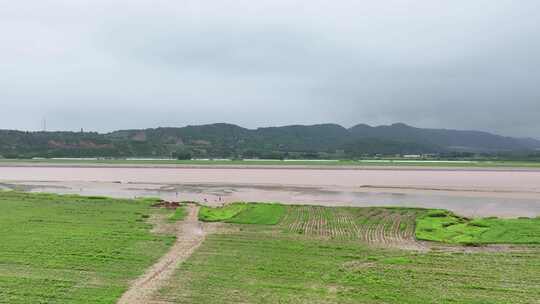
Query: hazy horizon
column 111, row 65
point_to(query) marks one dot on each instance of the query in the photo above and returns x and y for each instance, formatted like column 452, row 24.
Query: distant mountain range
column 227, row 140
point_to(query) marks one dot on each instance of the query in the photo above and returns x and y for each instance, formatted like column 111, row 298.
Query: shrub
column 437, row 213
column 182, row 155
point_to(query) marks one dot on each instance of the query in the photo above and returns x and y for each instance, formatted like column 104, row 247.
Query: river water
column 470, row 192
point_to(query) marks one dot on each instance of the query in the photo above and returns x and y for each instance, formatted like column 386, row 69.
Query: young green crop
column 262, row 214
column 72, row 249
column 209, row 214
column 266, row 264
column 444, row 226
column 244, row 213
column 178, row 214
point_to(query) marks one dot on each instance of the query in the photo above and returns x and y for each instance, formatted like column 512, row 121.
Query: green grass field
column 208, row 214
column 178, row 214
column 71, row 249
column 324, row 255
column 367, row 162
column 444, row 226
column 244, row 213
column 379, row 224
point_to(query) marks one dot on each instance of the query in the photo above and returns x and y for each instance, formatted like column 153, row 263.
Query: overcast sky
column 105, row 64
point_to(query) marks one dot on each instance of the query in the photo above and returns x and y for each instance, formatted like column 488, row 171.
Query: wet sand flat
column 469, row 192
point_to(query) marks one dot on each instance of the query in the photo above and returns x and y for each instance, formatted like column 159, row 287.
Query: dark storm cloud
column 106, row 65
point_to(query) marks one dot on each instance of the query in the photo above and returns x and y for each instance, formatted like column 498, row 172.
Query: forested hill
column 227, row 140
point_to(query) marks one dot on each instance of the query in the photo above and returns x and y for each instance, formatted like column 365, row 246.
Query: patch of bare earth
column 190, row 233
column 161, row 225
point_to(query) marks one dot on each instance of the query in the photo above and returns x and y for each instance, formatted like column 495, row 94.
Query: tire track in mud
column 190, row 233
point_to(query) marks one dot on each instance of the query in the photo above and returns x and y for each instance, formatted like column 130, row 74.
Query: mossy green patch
column 209, row 214
column 444, row 226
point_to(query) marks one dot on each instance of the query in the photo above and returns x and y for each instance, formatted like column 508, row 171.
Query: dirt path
column 189, row 233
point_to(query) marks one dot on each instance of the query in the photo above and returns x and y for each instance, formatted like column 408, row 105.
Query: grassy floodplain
column 346, row 255
column 72, row 249
column 329, row 163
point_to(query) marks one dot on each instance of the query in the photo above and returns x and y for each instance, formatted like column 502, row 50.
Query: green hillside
column 231, row 141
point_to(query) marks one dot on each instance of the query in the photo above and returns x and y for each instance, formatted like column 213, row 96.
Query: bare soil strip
column 190, row 233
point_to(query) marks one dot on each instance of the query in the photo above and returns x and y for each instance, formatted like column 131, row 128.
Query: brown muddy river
column 507, row 193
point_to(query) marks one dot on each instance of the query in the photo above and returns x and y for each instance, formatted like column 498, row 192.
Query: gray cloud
column 105, row 65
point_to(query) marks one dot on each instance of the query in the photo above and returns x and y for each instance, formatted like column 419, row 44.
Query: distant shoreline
column 269, row 165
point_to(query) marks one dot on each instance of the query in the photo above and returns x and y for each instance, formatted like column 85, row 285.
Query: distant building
column 412, row 156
